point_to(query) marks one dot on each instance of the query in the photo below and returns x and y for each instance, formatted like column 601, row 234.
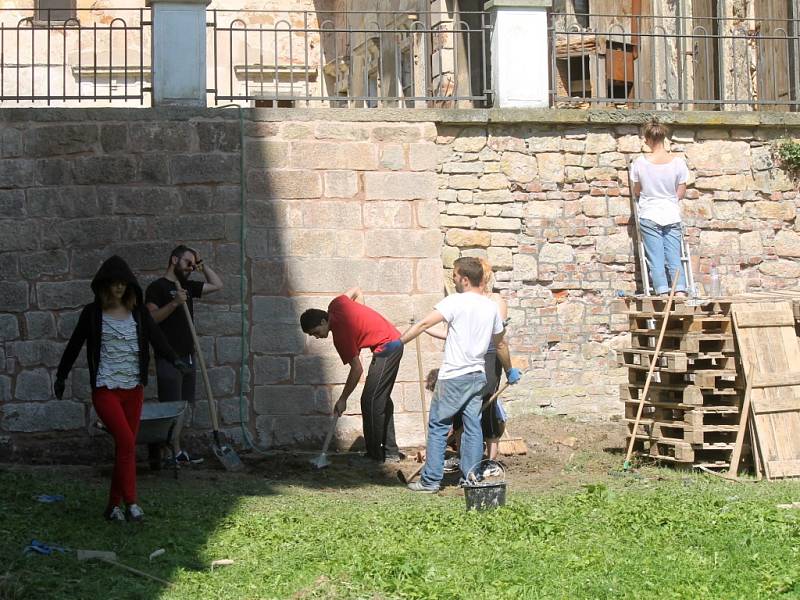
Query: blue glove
column 392, row 346
column 513, row 375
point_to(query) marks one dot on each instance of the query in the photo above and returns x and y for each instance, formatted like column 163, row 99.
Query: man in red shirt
column 355, row 326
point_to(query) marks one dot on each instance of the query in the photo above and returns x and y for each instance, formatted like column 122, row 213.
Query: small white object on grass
column 222, row 562
column 156, row 553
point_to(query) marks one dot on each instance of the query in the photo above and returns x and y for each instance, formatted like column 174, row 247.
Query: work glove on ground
column 513, row 375
column 182, row 367
column 58, row 388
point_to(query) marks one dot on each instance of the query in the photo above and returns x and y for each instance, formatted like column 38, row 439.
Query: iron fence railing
column 674, row 63
column 68, row 56
column 338, row 59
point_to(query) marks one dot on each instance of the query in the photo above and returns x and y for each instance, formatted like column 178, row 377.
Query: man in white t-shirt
column 473, row 322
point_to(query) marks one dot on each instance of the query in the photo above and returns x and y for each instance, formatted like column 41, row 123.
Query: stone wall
column 349, row 197
column 328, row 206
column 549, row 205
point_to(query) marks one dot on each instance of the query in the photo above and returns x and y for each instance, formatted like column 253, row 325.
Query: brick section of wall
column 549, row 206
column 331, row 206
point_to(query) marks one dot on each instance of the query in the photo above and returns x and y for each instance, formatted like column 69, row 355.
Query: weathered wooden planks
column 769, row 349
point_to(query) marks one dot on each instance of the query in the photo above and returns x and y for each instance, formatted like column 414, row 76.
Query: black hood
column 116, row 269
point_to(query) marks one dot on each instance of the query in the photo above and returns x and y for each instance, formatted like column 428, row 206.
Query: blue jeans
column 662, row 248
column 461, row 395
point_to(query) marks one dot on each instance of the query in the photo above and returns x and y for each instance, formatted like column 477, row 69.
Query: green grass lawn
column 665, row 535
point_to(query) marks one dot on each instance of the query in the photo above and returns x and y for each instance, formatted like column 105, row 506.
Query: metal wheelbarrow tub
column 156, row 425
column 157, row 421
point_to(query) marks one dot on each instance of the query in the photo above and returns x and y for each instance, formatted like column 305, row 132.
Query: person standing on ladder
column 659, row 183
column 163, row 298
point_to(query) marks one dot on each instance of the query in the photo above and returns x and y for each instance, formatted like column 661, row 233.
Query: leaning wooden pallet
column 769, row 349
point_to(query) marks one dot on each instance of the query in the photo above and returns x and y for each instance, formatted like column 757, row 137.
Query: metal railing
column 674, row 63
column 349, row 58
column 67, row 56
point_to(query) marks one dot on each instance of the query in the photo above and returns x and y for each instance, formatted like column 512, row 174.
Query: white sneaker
column 114, row 515
column 134, row 513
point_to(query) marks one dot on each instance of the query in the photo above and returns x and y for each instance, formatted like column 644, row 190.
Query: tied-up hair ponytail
column 654, row 131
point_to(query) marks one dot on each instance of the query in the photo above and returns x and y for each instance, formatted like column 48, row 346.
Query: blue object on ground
column 49, row 498
column 37, row 547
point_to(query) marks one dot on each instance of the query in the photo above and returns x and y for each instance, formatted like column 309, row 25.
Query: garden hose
column 244, row 373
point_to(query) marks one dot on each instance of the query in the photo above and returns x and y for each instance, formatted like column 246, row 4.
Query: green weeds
column 662, row 536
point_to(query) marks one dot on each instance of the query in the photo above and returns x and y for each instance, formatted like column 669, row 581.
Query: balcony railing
column 74, row 57
column 674, row 63
column 342, row 59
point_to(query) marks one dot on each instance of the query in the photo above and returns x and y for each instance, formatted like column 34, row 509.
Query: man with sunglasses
column 164, row 298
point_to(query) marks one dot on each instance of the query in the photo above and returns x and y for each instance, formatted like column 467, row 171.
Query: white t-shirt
column 658, row 200
column 472, row 319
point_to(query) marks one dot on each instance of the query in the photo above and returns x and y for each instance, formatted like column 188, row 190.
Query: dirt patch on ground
column 562, row 454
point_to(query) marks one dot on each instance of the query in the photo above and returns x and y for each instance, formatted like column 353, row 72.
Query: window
column 49, row 11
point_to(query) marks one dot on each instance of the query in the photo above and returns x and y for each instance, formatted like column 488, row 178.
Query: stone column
column 179, row 52
column 520, row 59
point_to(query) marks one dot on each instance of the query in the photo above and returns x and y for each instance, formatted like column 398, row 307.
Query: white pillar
column 179, row 52
column 520, row 59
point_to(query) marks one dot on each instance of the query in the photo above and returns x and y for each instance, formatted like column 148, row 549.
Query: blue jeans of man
column 460, row 395
column 662, row 248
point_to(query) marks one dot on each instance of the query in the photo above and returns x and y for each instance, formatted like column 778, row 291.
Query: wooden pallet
column 681, row 324
column 684, row 452
column 669, row 431
column 691, row 416
column 706, row 380
column 689, row 395
column 694, row 343
column 770, row 354
column 657, row 304
column 676, row 361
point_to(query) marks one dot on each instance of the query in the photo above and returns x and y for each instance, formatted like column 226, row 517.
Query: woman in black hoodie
column 117, row 329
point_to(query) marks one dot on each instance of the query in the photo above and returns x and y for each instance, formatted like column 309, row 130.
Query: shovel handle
column 212, row 407
column 410, row 477
column 494, row 397
column 330, row 434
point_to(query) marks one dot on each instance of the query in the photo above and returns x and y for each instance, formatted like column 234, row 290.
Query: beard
column 182, row 277
column 459, row 287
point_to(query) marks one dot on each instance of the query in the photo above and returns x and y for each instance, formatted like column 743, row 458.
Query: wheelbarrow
column 156, row 425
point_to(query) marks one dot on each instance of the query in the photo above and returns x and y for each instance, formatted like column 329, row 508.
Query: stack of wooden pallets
column 691, row 415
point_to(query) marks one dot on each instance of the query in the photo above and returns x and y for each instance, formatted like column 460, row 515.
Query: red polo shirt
column 355, row 326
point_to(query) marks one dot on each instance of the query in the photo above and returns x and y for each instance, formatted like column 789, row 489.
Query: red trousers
column 120, row 411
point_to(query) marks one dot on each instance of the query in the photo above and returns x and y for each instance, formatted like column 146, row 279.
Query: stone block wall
column 328, row 206
column 385, row 200
column 548, row 203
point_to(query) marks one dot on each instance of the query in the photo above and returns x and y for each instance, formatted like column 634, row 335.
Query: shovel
column 322, row 460
column 226, row 455
column 111, row 559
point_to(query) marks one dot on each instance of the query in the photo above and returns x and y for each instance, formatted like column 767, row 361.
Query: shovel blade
column 320, row 462
column 228, row 457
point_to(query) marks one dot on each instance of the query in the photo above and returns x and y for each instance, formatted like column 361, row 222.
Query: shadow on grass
column 186, row 517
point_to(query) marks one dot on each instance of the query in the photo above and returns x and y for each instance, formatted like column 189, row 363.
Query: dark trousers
column 172, row 385
column 377, row 408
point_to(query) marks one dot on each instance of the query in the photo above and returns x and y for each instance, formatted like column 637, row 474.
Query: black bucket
column 483, row 497
column 484, row 493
